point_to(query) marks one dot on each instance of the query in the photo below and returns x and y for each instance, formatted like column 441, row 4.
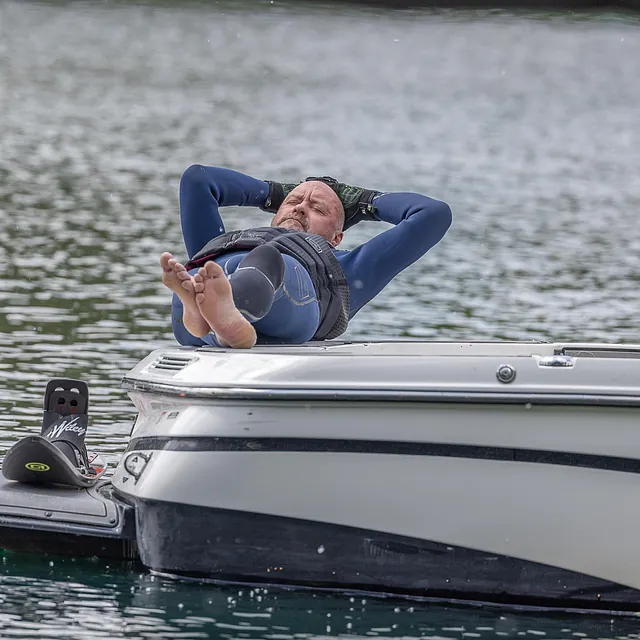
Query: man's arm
column 203, row 190
column 420, row 223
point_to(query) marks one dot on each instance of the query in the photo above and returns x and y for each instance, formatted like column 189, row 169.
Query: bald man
column 287, row 283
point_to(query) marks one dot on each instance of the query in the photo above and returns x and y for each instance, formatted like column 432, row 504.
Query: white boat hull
column 398, row 471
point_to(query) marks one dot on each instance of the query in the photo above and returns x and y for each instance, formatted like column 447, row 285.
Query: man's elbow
column 441, row 216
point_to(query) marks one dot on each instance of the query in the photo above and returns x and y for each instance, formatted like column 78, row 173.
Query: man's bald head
column 314, row 207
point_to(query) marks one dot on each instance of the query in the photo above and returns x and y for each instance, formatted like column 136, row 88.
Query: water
column 527, row 125
column 79, row 599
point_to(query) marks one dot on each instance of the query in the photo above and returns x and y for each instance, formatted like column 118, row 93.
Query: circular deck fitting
column 506, row 373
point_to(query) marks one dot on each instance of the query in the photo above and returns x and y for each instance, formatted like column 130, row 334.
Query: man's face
column 313, row 207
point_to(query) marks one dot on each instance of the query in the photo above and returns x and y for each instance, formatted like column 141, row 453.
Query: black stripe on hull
column 327, row 445
column 252, row 548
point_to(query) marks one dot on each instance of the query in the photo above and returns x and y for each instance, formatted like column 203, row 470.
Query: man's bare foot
column 215, row 301
column 176, row 278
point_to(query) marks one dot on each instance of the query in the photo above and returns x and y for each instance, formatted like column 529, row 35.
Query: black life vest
column 312, row 251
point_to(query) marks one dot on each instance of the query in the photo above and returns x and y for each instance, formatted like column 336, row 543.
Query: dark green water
column 527, row 125
column 63, row 598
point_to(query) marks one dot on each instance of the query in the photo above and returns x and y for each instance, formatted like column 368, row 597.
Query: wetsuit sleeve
column 203, row 190
column 420, row 223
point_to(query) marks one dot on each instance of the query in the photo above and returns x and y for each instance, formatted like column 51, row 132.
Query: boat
column 501, row 472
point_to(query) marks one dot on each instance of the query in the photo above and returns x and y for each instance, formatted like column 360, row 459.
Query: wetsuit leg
column 288, row 312
column 292, row 319
column 295, row 312
column 256, row 280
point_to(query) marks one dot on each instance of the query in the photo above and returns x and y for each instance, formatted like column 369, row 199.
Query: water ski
column 58, row 455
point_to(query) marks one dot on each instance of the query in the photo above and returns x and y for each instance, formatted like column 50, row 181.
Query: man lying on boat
column 287, row 283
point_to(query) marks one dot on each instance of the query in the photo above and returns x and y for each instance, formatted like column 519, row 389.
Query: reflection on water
column 526, row 125
column 80, row 599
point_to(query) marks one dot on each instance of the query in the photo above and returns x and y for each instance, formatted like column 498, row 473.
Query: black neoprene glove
column 356, row 201
column 278, row 191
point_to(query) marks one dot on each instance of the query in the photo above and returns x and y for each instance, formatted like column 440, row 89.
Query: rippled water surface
column 527, row 125
column 65, row 598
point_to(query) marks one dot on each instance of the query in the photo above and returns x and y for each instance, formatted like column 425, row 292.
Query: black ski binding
column 58, row 455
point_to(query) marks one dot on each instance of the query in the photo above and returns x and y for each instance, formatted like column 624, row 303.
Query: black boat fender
column 59, row 455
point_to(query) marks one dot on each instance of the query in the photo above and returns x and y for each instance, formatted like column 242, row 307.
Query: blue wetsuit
column 420, row 223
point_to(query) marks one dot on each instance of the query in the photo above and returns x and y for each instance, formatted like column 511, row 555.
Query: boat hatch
column 599, row 352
